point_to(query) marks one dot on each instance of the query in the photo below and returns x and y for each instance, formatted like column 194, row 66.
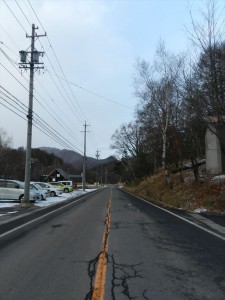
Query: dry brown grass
column 188, row 195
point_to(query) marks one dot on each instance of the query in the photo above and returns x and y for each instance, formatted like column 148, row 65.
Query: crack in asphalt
column 92, row 266
column 121, row 274
column 97, row 266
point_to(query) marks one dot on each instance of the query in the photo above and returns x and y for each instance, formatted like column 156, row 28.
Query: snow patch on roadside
column 200, row 210
column 49, row 200
column 219, row 178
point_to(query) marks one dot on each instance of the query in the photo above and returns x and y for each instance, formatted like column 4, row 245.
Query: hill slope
column 76, row 159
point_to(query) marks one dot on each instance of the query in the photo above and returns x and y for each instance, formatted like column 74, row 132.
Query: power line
column 64, row 77
column 35, row 14
column 15, row 16
column 59, row 120
column 9, row 37
column 63, row 89
column 2, row 43
column 23, row 13
column 16, row 112
column 94, row 94
column 58, row 65
column 99, row 96
column 49, row 60
column 35, row 125
column 8, row 57
column 39, row 121
column 11, row 61
column 14, row 77
column 21, row 111
column 37, row 92
column 20, row 104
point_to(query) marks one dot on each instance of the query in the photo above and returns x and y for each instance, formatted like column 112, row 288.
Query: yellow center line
column 100, row 277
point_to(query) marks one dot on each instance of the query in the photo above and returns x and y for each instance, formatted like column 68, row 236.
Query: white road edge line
column 179, row 217
column 39, row 218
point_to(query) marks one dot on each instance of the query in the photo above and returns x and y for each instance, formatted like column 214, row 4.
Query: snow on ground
column 219, row 178
column 200, row 210
column 49, row 200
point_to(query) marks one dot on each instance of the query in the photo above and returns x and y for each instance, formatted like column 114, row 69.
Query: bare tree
column 5, row 144
column 157, row 87
column 128, row 140
column 207, row 37
column 5, row 140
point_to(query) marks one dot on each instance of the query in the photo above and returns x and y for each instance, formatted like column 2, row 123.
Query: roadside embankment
column 208, row 193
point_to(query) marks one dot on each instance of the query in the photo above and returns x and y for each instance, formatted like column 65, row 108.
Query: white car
column 42, row 191
column 52, row 190
column 14, row 190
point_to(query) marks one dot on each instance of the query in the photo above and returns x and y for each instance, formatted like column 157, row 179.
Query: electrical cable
column 52, row 51
column 93, row 93
column 14, row 77
column 77, row 113
column 42, row 123
column 34, row 96
column 57, row 61
column 23, row 13
column 9, row 37
column 13, row 105
column 9, row 48
column 15, row 16
column 11, row 110
column 16, row 112
column 8, row 57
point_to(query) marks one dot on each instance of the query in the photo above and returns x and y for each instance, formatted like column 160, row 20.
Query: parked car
column 14, row 190
column 42, row 191
column 66, row 182
column 63, row 186
column 51, row 189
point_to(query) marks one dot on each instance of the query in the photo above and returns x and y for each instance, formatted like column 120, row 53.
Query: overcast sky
column 90, row 49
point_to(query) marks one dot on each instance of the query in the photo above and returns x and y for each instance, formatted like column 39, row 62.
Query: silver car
column 42, row 191
column 52, row 190
column 14, row 190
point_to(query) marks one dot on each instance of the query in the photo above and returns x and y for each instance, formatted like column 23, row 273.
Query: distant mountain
column 76, row 159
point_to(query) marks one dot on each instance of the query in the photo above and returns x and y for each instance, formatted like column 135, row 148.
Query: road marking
column 179, row 217
column 100, row 277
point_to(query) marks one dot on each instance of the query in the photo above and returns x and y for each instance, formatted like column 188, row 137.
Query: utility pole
column 101, row 175
column 34, row 59
column 97, row 177
column 106, row 177
column 84, row 158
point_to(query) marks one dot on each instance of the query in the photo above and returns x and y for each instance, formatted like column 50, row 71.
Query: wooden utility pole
column 97, row 177
column 34, row 59
column 84, row 158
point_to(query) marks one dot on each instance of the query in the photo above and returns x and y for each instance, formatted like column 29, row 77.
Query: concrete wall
column 213, row 151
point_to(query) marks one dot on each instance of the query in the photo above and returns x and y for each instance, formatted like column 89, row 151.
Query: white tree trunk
column 164, row 140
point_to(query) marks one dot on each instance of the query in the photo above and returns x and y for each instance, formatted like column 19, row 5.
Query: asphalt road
column 115, row 246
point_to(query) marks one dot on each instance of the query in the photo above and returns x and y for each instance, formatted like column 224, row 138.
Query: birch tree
column 5, row 144
column 157, row 88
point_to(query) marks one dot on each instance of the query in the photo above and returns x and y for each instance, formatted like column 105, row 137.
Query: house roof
column 61, row 172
